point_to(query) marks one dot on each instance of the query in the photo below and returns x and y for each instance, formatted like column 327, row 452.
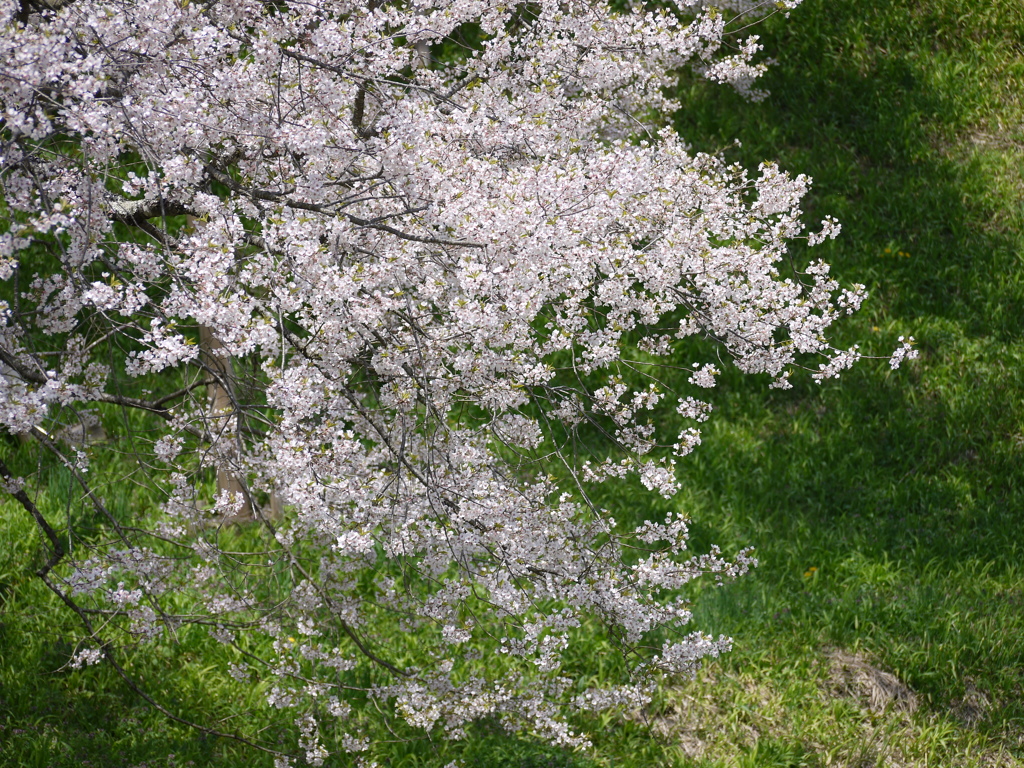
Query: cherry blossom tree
column 369, row 277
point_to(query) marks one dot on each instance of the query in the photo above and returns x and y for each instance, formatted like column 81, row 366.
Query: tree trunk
column 223, row 418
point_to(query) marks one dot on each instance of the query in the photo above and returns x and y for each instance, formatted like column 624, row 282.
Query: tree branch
column 135, row 212
column 32, row 509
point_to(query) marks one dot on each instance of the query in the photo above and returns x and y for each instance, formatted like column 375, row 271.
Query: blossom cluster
column 381, row 264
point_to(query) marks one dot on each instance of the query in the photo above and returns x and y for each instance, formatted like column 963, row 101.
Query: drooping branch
column 35, row 377
column 12, row 485
column 97, row 503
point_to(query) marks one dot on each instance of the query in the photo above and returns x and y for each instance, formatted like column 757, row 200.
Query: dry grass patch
column 835, row 708
column 851, row 676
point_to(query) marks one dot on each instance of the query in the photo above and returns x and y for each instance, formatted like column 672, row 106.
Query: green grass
column 903, row 491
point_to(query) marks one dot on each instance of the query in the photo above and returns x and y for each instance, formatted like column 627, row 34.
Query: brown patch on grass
column 843, row 711
column 852, row 676
column 972, row 707
column 702, row 718
column 1001, row 138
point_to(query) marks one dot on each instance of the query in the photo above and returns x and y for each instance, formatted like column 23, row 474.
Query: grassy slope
column 903, row 491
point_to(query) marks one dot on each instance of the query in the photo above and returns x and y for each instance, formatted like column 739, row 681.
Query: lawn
column 885, row 623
